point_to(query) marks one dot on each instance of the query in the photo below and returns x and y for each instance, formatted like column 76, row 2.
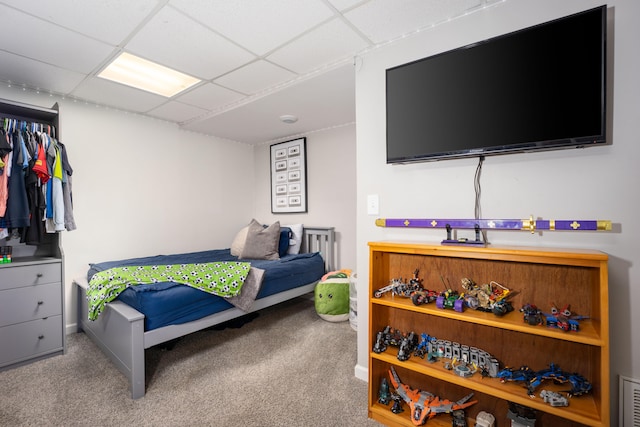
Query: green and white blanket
column 223, row 278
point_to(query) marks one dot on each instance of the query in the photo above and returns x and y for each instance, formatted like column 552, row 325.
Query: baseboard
column 362, row 373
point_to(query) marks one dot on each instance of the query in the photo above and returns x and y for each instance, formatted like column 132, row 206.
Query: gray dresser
column 31, row 311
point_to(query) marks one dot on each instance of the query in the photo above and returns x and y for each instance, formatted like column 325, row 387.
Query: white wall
column 331, row 188
column 143, row 187
column 594, row 183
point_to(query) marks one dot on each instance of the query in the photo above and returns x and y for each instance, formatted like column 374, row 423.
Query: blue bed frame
column 120, row 334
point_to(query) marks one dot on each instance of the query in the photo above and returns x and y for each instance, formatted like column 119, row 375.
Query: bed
column 121, row 331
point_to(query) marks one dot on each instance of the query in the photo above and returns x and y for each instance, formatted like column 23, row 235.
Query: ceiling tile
column 116, row 95
column 176, row 111
column 176, row 41
column 344, row 4
column 255, row 77
column 38, row 75
column 108, row 20
column 40, row 40
column 382, row 20
column 259, row 122
column 210, row 96
column 258, row 25
column 329, row 43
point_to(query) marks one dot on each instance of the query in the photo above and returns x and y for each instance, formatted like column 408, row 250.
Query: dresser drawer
column 29, row 303
column 30, row 339
column 15, row 276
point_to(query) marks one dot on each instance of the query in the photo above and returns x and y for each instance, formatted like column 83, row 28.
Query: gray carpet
column 287, row 367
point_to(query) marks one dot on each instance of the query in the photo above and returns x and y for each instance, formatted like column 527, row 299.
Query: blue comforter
column 169, row 303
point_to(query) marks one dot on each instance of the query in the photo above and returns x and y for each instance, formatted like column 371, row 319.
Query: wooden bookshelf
column 537, row 276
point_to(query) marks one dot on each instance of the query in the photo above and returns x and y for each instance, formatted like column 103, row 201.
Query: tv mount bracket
column 530, row 224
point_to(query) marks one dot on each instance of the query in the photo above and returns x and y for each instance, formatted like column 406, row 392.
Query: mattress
column 168, row 303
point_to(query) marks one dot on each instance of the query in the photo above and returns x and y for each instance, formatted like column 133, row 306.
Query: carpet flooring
column 286, row 367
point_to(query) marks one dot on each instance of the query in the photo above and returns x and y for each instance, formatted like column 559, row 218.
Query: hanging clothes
column 35, row 182
column 5, row 149
column 69, row 220
column 17, row 213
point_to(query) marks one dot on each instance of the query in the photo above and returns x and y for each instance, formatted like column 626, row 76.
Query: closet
column 32, row 267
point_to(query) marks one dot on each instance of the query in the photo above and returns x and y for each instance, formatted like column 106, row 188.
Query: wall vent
column 629, row 402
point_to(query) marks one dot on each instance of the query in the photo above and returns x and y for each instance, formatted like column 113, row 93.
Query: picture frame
column 289, row 176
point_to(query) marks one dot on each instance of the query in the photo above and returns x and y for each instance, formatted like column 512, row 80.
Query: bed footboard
column 119, row 332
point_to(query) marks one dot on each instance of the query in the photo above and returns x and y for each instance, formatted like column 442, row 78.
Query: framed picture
column 289, row 176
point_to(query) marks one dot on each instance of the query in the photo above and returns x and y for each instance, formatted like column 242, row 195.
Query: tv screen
column 540, row 88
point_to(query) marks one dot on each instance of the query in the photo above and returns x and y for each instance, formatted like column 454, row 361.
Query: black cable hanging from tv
column 478, row 192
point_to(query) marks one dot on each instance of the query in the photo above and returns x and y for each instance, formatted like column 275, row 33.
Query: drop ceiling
column 257, row 59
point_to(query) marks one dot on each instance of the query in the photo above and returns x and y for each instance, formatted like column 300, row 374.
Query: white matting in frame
column 289, row 176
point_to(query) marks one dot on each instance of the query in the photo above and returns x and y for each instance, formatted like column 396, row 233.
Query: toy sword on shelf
column 530, row 224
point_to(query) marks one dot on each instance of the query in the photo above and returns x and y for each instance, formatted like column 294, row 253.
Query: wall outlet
column 373, row 204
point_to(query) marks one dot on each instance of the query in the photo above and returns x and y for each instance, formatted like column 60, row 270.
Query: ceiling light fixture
column 288, row 118
column 136, row 72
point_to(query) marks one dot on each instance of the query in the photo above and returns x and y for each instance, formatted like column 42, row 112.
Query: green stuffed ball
column 332, row 299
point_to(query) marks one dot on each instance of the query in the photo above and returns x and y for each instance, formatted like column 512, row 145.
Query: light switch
column 373, row 204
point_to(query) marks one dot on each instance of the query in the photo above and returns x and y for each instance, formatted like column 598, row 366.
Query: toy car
column 532, row 315
column 450, row 299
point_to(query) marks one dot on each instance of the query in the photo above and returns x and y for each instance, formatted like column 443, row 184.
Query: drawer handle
column 40, row 337
column 39, row 275
column 40, row 302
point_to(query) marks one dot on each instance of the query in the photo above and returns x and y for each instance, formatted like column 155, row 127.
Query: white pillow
column 238, row 242
column 296, row 238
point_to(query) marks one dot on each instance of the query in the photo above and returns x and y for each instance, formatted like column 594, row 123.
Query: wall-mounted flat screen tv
column 540, row 88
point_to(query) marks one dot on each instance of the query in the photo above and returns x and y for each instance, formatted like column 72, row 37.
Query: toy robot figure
column 396, row 408
column 407, row 345
column 458, row 418
column 384, row 395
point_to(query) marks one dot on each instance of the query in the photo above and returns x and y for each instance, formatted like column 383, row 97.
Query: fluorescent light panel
column 136, row 72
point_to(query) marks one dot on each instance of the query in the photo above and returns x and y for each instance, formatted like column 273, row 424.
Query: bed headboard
column 320, row 239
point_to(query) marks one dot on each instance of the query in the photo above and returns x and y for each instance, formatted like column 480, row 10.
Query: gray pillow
column 261, row 243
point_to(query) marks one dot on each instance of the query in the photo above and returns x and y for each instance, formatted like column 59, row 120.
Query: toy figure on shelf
column 388, row 336
column 553, row 398
column 396, row 408
column 463, row 368
column 579, row 385
column 532, row 379
column 450, row 299
column 532, row 315
column 485, row 419
column 423, row 346
column 458, row 418
column 523, row 374
column 384, row 395
column 490, row 297
column 423, row 404
column 407, row 346
column 502, row 307
column 564, row 319
column 402, row 288
column 521, row 416
column 406, row 343
column 424, row 296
